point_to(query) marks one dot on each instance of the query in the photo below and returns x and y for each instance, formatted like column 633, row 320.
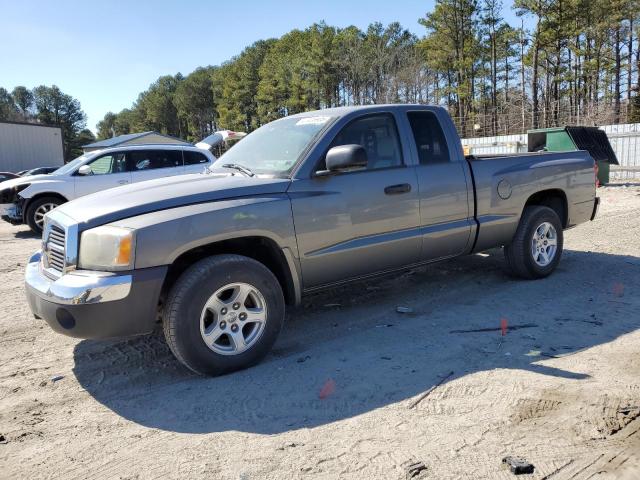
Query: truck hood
column 164, row 193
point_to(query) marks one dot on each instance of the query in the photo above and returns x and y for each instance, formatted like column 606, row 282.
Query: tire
column 186, row 321
column 523, row 258
column 36, row 210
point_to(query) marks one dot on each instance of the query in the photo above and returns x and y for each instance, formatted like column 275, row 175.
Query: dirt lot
column 340, row 397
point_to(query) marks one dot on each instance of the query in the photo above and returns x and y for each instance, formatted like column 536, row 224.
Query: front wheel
column 223, row 314
column 537, row 245
column 38, row 209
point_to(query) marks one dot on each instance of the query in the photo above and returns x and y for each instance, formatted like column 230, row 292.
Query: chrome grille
column 59, row 244
column 55, row 244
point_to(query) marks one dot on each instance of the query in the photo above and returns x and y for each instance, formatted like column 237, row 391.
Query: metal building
column 142, row 138
column 24, row 146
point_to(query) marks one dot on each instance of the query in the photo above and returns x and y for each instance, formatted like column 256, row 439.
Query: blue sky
column 105, row 53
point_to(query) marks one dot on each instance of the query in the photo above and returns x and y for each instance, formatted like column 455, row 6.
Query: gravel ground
column 343, row 393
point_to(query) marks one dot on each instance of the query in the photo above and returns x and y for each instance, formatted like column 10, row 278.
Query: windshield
column 72, row 165
column 274, row 148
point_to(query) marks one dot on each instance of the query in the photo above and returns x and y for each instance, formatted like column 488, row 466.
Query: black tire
column 519, row 255
column 186, row 301
column 33, row 210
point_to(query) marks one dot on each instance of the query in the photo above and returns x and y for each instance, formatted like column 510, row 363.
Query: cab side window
column 429, row 137
column 379, row 137
column 110, row 163
column 151, row 159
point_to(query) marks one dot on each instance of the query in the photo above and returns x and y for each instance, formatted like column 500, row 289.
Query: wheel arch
column 262, row 249
column 30, row 200
column 555, row 199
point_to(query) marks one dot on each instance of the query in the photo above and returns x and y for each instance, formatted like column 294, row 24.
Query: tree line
column 563, row 62
column 50, row 106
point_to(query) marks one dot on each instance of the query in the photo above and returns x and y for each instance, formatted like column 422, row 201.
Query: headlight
column 107, row 248
column 10, row 194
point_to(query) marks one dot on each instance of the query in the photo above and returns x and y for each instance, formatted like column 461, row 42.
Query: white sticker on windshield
column 313, row 121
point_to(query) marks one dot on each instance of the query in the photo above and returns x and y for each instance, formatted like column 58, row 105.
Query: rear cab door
column 446, row 186
column 353, row 224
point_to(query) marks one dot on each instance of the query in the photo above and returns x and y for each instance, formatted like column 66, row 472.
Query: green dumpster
column 566, row 139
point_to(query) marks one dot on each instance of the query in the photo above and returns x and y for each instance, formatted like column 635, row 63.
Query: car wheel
column 37, row 209
column 537, row 244
column 224, row 313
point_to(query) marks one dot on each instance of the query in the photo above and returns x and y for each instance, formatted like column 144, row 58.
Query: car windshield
column 71, row 166
column 274, row 148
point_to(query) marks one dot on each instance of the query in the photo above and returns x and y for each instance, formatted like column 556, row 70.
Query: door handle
column 396, row 189
column 122, row 182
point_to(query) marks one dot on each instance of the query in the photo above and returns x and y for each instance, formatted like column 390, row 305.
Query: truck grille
column 55, row 248
column 59, row 245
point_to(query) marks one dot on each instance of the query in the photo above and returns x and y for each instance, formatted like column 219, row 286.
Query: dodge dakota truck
column 303, row 203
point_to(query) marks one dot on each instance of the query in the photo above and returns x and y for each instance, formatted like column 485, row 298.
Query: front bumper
column 11, row 212
column 90, row 304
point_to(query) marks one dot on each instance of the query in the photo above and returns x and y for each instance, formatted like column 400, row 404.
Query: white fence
column 624, row 138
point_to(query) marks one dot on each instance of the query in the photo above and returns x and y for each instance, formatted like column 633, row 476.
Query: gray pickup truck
column 303, row 203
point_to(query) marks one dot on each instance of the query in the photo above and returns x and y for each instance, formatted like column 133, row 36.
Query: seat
column 369, row 140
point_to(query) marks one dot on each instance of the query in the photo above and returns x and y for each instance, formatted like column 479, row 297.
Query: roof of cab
column 341, row 111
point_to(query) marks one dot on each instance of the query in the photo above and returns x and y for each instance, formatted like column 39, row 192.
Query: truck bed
column 516, row 177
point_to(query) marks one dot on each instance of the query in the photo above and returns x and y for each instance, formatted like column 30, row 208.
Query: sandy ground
column 339, row 397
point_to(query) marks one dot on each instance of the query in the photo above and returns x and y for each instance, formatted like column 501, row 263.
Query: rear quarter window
column 430, row 140
column 194, row 158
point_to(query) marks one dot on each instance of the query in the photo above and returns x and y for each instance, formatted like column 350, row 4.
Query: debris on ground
column 327, row 389
column 428, row 392
column 57, row 378
column 518, row 466
column 498, row 329
column 592, row 322
column 404, row 310
column 548, row 355
column 504, row 327
column 3, row 440
column 290, row 445
column 414, row 469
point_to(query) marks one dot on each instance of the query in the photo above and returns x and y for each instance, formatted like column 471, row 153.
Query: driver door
column 107, row 171
column 353, row 224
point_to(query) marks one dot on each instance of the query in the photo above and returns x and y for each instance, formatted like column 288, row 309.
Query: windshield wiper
column 240, row 168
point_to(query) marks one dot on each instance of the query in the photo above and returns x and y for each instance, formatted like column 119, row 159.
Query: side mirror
column 85, row 170
column 346, row 157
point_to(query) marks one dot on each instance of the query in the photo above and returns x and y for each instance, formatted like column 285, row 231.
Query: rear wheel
column 223, row 314
column 537, row 245
column 37, row 209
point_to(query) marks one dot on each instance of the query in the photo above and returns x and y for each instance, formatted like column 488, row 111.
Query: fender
column 60, row 187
